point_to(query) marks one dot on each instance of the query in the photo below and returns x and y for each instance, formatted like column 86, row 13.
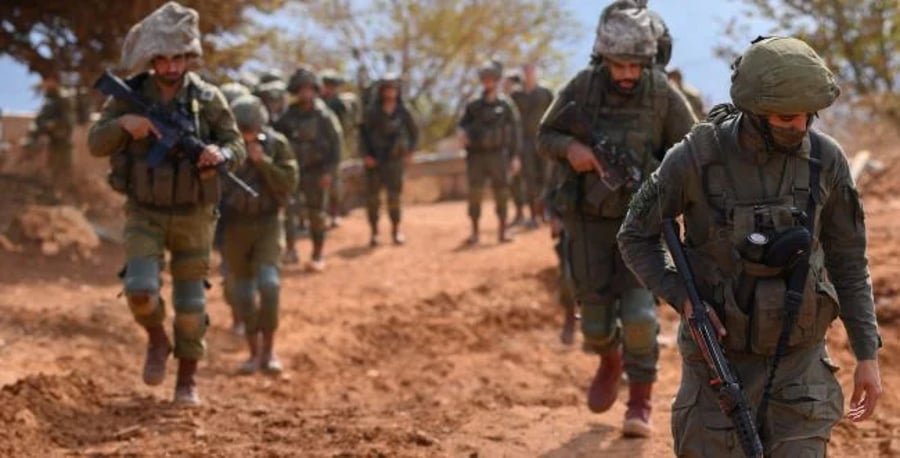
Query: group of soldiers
column 285, row 138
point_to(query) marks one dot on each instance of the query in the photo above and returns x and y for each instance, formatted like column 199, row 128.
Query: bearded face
column 170, row 70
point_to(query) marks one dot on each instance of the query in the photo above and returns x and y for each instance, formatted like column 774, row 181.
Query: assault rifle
column 730, row 396
column 620, row 167
column 176, row 130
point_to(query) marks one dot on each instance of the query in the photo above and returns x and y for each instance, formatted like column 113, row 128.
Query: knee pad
column 600, row 327
column 268, row 279
column 190, row 327
column 188, row 296
column 639, row 322
column 142, row 276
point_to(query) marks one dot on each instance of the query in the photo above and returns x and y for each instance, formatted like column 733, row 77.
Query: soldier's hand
column 582, row 159
column 866, row 390
column 687, row 310
column 137, row 126
column 255, row 152
column 210, row 157
column 325, row 182
column 515, row 167
column 369, row 162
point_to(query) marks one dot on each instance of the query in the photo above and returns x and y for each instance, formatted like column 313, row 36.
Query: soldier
column 273, row 93
column 532, row 100
column 512, row 82
column 173, row 206
column 388, row 137
column 690, row 93
column 490, row 131
column 233, row 90
column 631, row 103
column 346, row 109
column 253, row 238
column 315, row 135
column 794, row 180
column 51, row 130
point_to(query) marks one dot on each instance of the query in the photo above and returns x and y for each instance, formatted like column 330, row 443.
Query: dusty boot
column 473, row 239
column 251, row 365
column 567, row 336
column 290, row 256
column 399, row 238
column 503, row 235
column 637, row 417
column 185, row 386
column 532, row 223
column 269, row 363
column 317, row 264
column 158, row 351
column 373, row 240
column 604, row 388
column 520, row 217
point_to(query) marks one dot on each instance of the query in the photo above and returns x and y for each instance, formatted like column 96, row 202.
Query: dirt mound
column 58, row 228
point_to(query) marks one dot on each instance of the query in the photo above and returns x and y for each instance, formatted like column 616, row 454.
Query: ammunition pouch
column 175, row 183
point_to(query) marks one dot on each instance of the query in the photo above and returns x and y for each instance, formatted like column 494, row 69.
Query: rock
column 422, row 439
column 58, row 228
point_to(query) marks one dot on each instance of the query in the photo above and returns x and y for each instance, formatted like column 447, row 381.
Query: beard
column 170, row 78
column 787, row 140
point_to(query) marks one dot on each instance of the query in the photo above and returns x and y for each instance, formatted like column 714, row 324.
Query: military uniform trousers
column 187, row 235
column 806, row 402
column 615, row 308
column 388, row 176
column 484, row 166
column 566, row 282
column 534, row 171
column 310, row 201
column 252, row 248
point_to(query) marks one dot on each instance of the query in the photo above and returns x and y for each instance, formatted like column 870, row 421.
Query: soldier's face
column 489, row 83
column 170, row 69
column 306, row 94
column 389, row 93
column 626, row 74
column 797, row 122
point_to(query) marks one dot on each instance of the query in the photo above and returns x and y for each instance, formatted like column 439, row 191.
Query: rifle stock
column 731, row 398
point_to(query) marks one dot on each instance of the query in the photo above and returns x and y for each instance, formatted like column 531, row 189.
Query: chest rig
column 491, row 129
column 306, row 139
column 758, row 248
column 389, row 136
column 239, row 203
column 175, row 183
column 632, row 124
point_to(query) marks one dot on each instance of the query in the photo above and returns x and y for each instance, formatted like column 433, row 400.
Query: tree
column 81, row 38
column 859, row 39
column 436, row 45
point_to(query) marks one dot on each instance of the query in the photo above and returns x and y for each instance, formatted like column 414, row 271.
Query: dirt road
column 426, row 350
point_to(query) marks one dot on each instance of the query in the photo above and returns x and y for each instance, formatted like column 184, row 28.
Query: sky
column 694, row 25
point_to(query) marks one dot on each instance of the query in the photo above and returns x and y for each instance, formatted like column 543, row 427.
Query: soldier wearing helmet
column 491, row 132
column 388, row 137
column 627, row 100
column 233, row 90
column 253, row 236
column 316, row 137
column 171, row 206
column 754, row 174
column 345, row 106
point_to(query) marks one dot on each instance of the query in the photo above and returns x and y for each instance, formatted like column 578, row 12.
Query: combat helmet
column 628, row 34
column 272, row 90
column 233, row 90
column 249, row 113
column 781, row 75
column 171, row 30
column 302, row 77
column 331, row 77
column 271, row 75
column 491, row 67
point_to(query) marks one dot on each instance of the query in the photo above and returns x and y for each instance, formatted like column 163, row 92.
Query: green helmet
column 233, row 91
column 249, row 113
column 302, row 77
column 272, row 90
column 782, row 75
column 491, row 68
column 271, row 75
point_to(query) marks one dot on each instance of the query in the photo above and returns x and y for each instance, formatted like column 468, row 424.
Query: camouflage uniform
column 52, row 130
column 778, row 188
column 345, row 107
column 645, row 121
column 254, row 238
column 388, row 138
column 565, row 282
column 532, row 104
column 170, row 207
column 494, row 134
column 315, row 136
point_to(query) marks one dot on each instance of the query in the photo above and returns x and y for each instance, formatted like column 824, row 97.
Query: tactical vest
column 237, row 202
column 637, row 127
column 491, row 129
column 305, row 136
column 387, row 134
column 175, row 183
column 719, row 231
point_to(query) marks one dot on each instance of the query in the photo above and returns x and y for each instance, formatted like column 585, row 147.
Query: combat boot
column 158, row 350
column 567, row 336
column 269, row 363
column 399, row 238
column 251, row 365
column 185, row 386
column 290, row 256
column 473, row 239
column 637, row 417
column 604, row 388
column 519, row 218
column 503, row 236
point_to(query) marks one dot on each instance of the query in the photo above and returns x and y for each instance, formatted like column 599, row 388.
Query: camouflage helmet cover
column 784, row 76
column 234, row 90
column 390, row 79
column 330, row 76
column 302, row 77
column 491, row 67
column 270, row 75
column 171, row 30
column 249, row 112
column 627, row 33
column 272, row 90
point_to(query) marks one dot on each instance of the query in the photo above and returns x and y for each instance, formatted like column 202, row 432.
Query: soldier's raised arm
column 106, row 136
